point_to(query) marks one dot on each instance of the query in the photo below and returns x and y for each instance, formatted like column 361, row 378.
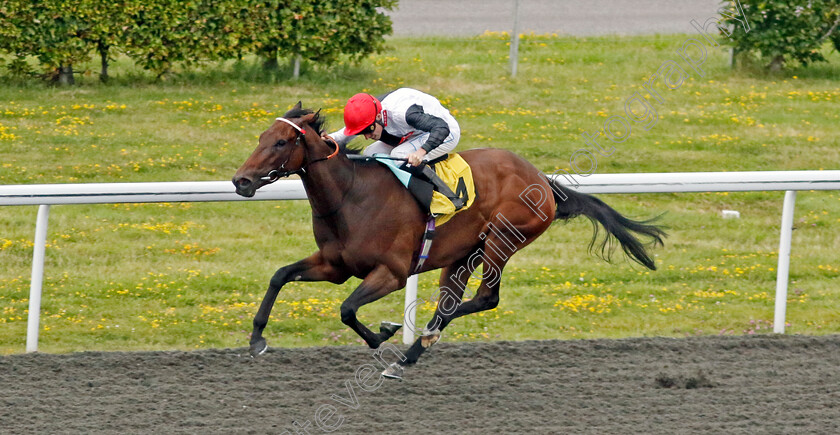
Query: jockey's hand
column 415, row 158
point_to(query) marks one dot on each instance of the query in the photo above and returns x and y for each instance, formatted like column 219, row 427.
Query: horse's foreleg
column 378, row 283
column 312, row 268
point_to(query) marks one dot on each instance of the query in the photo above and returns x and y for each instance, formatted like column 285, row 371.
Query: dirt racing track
column 755, row 384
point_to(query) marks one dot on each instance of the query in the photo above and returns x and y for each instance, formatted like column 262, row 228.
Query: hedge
column 158, row 34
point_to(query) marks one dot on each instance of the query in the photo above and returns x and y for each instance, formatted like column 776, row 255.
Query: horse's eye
column 280, row 143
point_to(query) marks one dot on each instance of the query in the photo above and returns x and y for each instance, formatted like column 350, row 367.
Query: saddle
column 442, row 187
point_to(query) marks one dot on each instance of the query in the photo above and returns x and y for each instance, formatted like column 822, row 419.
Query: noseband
column 276, row 174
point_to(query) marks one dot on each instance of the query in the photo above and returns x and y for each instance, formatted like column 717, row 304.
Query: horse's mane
column 318, row 124
column 317, row 121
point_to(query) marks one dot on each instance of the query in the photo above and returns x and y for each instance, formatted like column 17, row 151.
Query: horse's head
column 281, row 150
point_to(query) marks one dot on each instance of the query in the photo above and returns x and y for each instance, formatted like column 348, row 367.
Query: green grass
column 184, row 276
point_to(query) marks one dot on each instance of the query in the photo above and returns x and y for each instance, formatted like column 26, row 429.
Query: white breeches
column 404, row 149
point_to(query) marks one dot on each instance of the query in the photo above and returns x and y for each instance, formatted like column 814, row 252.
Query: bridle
column 276, row 174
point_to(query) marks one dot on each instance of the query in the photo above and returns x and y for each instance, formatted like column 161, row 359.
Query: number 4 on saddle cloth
column 452, row 170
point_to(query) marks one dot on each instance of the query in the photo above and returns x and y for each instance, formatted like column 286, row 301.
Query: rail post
column 410, row 313
column 514, row 40
column 36, row 283
column 783, row 270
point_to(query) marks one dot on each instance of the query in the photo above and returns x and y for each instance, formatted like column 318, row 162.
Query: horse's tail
column 571, row 204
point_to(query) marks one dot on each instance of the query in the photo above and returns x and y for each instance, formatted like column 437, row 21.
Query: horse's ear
column 299, row 105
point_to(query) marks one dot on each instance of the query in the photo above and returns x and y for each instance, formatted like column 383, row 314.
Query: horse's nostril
column 242, row 183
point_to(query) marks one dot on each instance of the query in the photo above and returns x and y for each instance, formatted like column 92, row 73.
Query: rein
column 275, row 174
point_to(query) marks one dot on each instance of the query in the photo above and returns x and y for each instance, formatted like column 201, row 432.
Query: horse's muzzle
column 244, row 186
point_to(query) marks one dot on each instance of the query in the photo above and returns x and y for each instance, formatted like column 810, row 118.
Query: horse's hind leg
column 453, row 281
column 486, row 298
column 494, row 261
column 378, row 283
column 312, row 268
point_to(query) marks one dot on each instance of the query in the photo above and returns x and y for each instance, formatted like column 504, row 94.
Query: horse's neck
column 327, row 184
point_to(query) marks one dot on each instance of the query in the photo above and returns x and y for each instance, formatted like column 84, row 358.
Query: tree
column 48, row 30
column 106, row 26
column 157, row 38
column 322, row 31
column 782, row 31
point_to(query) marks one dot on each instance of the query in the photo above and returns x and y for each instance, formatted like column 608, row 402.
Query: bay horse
column 367, row 225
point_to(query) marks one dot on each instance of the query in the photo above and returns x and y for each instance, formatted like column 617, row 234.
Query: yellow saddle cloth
column 456, row 173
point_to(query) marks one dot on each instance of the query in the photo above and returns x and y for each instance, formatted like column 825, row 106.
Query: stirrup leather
column 441, row 187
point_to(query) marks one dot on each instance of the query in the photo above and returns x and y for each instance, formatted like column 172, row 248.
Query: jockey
column 404, row 123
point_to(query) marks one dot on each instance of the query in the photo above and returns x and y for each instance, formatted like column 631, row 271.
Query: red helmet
column 360, row 113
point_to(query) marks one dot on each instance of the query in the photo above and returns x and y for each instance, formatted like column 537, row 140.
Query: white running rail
column 45, row 195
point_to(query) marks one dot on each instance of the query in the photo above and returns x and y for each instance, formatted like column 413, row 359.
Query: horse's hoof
column 388, row 329
column 394, row 371
column 429, row 338
column 258, row 348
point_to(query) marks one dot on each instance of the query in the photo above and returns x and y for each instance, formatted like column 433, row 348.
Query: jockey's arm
column 341, row 138
column 438, row 128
